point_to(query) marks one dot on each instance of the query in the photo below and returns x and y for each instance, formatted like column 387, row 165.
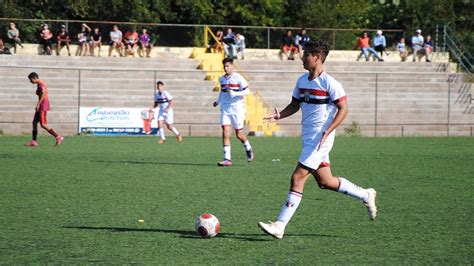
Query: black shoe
column 249, row 155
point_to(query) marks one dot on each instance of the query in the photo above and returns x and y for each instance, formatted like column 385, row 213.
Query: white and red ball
column 207, row 225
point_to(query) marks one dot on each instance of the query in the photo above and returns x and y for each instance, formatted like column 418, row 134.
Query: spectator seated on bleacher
column 240, row 43
column 300, row 41
column 95, row 41
column 144, row 41
column 363, row 42
column 131, row 42
column 13, row 35
column 418, row 46
column 428, row 45
column 2, row 47
column 216, row 46
column 229, row 44
column 288, row 47
column 63, row 38
column 46, row 39
column 401, row 48
column 380, row 44
column 116, row 41
column 83, row 38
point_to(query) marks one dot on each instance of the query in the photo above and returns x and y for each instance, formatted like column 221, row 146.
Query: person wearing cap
column 63, row 38
column 380, row 43
column 417, row 42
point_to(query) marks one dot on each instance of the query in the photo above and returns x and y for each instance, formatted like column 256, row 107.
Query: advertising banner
column 116, row 121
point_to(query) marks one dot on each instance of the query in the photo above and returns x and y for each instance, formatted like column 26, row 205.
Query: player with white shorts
column 231, row 100
column 165, row 113
column 323, row 104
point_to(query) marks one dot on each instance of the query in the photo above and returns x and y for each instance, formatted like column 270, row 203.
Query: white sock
column 175, row 131
column 161, row 132
column 247, row 145
column 227, row 152
column 353, row 190
column 287, row 211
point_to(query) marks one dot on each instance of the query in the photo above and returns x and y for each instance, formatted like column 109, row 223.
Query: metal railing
column 453, row 45
column 191, row 34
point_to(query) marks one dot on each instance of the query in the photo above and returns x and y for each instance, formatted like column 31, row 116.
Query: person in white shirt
column 380, row 44
column 323, row 104
column 240, row 43
column 165, row 115
column 231, row 101
column 417, row 42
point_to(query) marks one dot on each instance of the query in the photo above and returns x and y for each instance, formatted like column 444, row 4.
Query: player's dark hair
column 318, row 47
column 228, row 60
column 33, row 75
column 160, row 83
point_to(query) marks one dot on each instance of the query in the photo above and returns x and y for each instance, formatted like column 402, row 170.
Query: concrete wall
column 385, row 99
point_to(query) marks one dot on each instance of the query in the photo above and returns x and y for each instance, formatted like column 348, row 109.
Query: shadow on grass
column 192, row 234
column 164, row 163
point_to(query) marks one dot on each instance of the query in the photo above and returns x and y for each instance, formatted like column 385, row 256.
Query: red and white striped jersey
column 233, row 90
column 317, row 100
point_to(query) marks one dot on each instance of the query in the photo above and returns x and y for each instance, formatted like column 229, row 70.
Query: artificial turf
column 81, row 202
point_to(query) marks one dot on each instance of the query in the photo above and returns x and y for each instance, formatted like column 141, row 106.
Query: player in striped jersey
column 323, row 104
column 231, row 100
column 165, row 115
column 41, row 110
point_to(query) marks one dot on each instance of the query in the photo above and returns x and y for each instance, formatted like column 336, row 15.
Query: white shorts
column 236, row 120
column 313, row 158
column 167, row 117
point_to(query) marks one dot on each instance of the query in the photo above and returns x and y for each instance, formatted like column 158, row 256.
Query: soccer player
column 323, row 104
column 231, row 101
column 42, row 108
column 165, row 115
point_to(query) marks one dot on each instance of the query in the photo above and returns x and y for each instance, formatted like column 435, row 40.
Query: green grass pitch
column 80, row 202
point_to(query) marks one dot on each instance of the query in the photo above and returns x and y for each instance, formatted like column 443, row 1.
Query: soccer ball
column 207, row 225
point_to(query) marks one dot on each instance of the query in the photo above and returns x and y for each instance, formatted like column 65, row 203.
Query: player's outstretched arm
column 289, row 110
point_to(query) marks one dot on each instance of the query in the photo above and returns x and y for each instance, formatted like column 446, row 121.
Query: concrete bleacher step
column 407, row 93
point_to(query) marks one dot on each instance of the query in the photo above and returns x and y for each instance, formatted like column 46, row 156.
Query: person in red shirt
column 364, row 44
column 131, row 42
column 63, row 38
column 42, row 108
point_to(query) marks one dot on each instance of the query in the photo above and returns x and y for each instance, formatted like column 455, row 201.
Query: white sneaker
column 370, row 204
column 272, row 229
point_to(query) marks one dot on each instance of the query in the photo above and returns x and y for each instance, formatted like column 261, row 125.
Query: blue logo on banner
column 98, row 114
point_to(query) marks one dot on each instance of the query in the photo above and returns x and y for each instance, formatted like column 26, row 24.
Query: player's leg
column 111, row 48
column 67, row 48
column 237, row 121
column 44, row 124
column 161, row 131
column 226, row 131
column 148, row 50
column 326, row 180
column 298, row 179
column 175, row 132
column 58, row 48
column 34, row 132
column 169, row 124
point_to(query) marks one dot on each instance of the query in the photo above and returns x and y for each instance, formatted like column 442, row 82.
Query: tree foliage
column 355, row 14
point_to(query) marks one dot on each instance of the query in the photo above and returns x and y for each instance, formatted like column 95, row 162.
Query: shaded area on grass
column 193, row 234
